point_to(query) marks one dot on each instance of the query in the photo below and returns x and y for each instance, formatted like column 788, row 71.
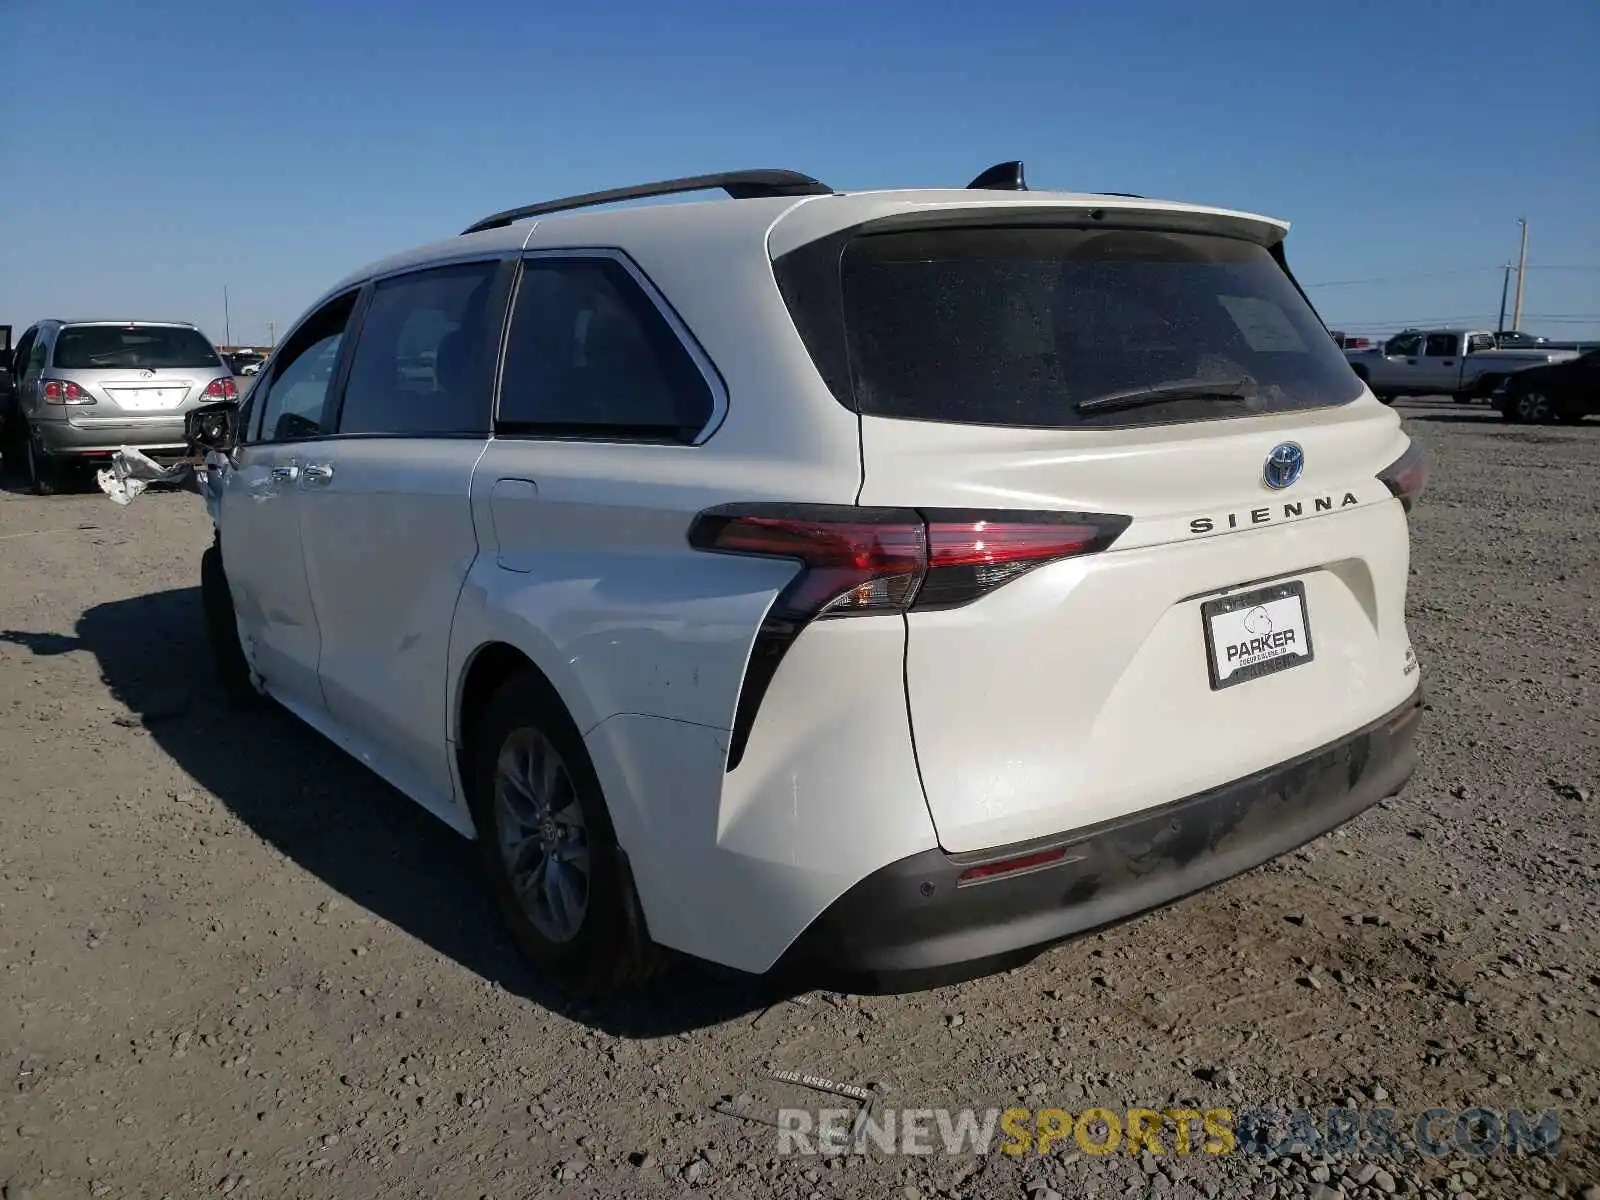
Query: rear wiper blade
column 1163, row 393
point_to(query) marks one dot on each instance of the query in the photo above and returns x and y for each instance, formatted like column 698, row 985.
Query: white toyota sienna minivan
column 876, row 583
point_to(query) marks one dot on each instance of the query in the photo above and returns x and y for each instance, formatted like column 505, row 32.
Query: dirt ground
column 233, row 962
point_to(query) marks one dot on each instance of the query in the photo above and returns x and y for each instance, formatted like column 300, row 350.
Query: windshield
column 1017, row 326
column 87, row 347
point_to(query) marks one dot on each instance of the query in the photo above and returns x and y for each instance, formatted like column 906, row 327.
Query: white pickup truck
column 1463, row 363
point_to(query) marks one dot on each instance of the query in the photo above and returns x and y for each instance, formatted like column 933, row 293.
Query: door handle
column 317, row 474
column 1449, row 362
column 285, row 474
column 1411, row 362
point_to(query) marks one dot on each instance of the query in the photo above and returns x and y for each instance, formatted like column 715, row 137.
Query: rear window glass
column 86, row 347
column 1017, row 326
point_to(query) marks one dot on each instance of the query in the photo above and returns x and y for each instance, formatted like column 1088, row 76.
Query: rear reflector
column 1011, row 866
column 857, row 561
column 1407, row 475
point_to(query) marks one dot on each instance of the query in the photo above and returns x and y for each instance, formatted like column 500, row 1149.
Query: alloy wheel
column 542, row 837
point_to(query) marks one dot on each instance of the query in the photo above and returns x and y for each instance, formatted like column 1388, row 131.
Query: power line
column 1440, row 275
column 1400, row 278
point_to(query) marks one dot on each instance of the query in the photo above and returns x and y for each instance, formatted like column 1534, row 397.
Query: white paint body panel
column 272, row 597
column 388, row 540
column 1080, row 692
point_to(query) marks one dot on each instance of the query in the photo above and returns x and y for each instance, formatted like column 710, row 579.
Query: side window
column 1442, row 345
column 590, row 355
column 38, row 352
column 1404, row 346
column 24, row 351
column 424, row 355
column 296, row 400
column 1479, row 342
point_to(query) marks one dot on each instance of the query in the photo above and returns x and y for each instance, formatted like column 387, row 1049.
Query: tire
column 1534, row 407
column 222, row 630
column 605, row 947
column 42, row 477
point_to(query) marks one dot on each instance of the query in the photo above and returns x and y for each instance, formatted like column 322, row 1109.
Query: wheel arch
column 484, row 672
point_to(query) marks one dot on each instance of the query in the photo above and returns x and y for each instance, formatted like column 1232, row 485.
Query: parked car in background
column 7, row 381
column 252, row 368
column 861, row 583
column 240, row 362
column 1511, row 339
column 1565, row 391
column 1464, row 363
column 87, row 388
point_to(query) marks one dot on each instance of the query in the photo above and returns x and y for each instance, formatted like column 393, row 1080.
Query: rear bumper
column 911, row 916
column 90, row 435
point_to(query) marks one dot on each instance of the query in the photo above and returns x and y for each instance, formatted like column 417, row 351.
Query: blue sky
column 155, row 152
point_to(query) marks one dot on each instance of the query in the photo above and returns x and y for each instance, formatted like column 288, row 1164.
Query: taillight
column 222, row 389
column 971, row 554
column 855, row 560
column 1406, row 476
column 62, row 391
column 861, row 561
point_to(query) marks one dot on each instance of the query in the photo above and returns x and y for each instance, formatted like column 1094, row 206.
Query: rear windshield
column 85, row 347
column 1016, row 326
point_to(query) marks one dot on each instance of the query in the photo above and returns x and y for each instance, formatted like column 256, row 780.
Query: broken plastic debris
column 132, row 471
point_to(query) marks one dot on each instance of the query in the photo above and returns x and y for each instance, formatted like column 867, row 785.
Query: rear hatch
column 1174, row 390
column 135, row 368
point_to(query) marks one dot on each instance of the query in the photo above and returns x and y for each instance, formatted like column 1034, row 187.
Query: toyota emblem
column 1283, row 466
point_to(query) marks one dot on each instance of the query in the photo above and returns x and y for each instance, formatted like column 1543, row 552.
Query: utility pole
column 1505, row 285
column 1522, row 270
column 272, row 335
column 227, row 320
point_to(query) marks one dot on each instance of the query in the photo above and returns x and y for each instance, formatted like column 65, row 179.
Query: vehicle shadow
column 335, row 819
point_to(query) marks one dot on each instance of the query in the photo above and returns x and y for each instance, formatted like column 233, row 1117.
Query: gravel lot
column 233, row 962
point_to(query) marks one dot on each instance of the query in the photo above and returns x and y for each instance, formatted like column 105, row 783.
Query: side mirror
column 212, row 427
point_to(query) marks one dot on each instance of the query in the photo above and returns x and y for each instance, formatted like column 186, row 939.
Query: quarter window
column 424, row 358
column 296, row 403
column 590, row 355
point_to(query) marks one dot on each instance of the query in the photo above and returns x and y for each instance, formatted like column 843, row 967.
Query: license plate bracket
column 1256, row 633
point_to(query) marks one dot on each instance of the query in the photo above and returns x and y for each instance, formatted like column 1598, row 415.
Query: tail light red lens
column 1406, row 476
column 859, row 561
column 971, row 554
column 62, row 391
column 856, row 561
column 222, row 389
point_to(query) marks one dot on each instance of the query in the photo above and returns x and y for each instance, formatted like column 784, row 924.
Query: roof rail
column 1002, row 177
column 741, row 185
